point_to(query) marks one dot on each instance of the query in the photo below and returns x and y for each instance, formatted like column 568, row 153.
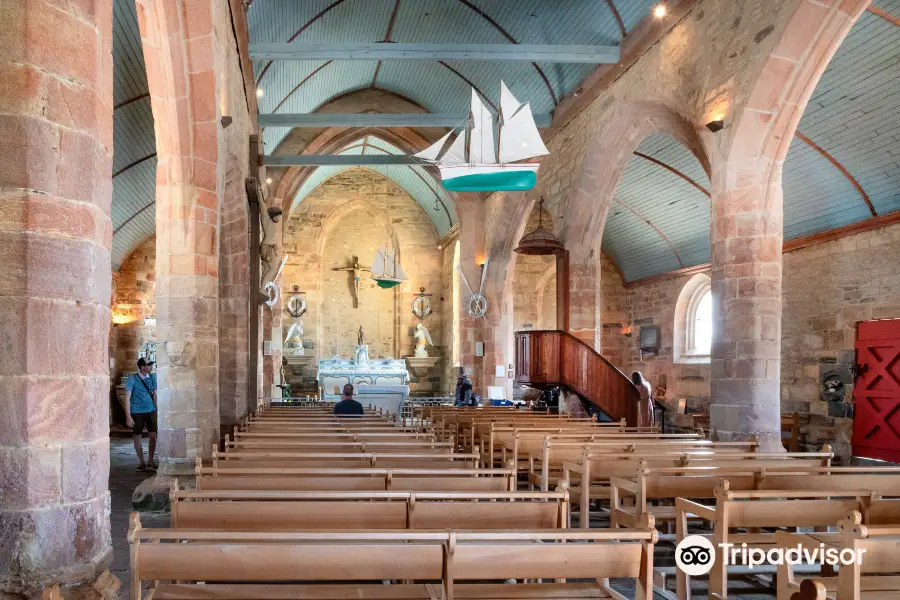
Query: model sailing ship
column 386, row 270
column 469, row 160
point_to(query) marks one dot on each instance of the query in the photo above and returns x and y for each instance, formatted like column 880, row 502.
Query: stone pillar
column 470, row 209
column 182, row 80
column 746, row 236
column 55, row 235
column 584, row 301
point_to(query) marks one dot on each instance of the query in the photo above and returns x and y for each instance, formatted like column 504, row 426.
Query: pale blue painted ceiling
column 134, row 142
column 416, row 181
column 303, row 86
column 661, row 223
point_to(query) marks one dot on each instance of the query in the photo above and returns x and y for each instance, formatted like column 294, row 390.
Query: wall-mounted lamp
column 659, row 11
column 716, row 125
column 260, row 93
column 480, row 261
column 268, row 180
column 225, row 121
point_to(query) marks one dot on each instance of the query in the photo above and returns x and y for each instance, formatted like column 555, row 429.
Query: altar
column 335, row 372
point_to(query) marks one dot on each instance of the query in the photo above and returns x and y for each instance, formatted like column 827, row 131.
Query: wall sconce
column 120, row 319
column 226, row 121
column 716, row 125
column 480, row 261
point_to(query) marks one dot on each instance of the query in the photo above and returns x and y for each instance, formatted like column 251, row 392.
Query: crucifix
column 357, row 270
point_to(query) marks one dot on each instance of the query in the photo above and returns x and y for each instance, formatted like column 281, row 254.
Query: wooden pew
column 521, row 441
column 289, row 511
column 417, row 445
column 650, row 484
column 754, row 510
column 379, row 479
column 276, row 459
column 874, row 577
column 332, row 435
column 546, row 461
column 340, row 565
column 599, row 470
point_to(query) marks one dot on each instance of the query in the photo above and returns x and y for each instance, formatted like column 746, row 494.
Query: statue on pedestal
column 362, row 349
column 422, row 337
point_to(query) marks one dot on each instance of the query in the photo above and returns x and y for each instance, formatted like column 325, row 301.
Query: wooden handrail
column 548, row 358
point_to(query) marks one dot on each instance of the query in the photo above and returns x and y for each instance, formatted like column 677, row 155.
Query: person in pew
column 348, row 407
column 645, row 414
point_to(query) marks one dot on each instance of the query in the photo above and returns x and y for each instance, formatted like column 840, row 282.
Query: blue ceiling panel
column 660, row 221
column 134, row 188
column 851, row 115
column 434, row 86
column 416, row 181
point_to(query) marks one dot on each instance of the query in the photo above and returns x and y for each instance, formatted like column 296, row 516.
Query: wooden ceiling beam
column 317, row 120
column 480, row 52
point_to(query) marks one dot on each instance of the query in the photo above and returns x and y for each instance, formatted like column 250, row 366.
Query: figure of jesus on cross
column 357, row 271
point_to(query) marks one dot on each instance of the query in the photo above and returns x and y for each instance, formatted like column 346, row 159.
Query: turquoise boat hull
column 500, row 181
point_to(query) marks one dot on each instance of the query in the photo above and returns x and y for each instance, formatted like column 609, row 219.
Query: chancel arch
column 340, row 224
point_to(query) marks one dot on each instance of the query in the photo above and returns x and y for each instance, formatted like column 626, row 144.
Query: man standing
column 140, row 410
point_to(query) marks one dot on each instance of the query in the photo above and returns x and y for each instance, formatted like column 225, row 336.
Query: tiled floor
column 124, row 478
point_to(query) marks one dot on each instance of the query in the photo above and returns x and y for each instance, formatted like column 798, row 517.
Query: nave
column 479, row 503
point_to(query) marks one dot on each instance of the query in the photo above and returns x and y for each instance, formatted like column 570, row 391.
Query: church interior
column 616, row 284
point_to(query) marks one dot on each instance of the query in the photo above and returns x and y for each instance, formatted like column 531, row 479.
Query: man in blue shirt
column 140, row 410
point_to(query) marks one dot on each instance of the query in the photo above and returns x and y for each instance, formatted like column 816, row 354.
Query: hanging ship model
column 386, row 270
column 470, row 161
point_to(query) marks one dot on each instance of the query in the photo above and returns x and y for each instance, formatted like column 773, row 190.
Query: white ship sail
column 472, row 161
column 520, row 138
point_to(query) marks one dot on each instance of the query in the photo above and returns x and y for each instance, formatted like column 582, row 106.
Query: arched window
column 693, row 321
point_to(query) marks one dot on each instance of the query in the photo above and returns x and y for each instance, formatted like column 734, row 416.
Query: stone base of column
column 741, row 423
column 86, row 581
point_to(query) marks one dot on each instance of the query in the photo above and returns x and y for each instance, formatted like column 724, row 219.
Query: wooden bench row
column 247, row 510
column 183, row 564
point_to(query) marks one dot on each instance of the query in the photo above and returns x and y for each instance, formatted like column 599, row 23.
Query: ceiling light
column 260, row 93
column 659, row 11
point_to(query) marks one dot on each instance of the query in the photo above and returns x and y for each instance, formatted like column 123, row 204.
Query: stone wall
column 828, row 288
column 653, row 303
column 613, row 313
column 348, row 216
column 135, row 301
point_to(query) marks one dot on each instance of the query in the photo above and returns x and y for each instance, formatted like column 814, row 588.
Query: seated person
column 348, row 407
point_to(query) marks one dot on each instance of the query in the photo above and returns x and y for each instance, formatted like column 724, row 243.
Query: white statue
column 422, row 337
column 293, row 337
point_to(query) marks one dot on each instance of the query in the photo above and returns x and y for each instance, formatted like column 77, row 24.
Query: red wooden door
column 876, row 428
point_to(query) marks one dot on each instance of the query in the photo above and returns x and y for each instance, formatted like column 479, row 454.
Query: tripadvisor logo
column 695, row 555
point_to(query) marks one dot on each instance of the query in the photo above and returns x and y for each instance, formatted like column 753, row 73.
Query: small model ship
column 470, row 162
column 386, row 270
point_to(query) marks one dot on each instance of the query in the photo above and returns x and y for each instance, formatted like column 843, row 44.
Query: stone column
column 55, row 235
column 470, row 209
column 183, row 95
column 746, row 236
column 584, row 301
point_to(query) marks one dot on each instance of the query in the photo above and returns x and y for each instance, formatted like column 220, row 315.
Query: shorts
column 142, row 419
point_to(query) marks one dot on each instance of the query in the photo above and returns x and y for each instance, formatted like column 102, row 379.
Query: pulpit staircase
column 551, row 358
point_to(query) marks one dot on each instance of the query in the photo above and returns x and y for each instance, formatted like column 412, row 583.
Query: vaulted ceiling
column 842, row 167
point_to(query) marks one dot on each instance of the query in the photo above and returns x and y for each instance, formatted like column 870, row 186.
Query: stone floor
column 124, row 478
